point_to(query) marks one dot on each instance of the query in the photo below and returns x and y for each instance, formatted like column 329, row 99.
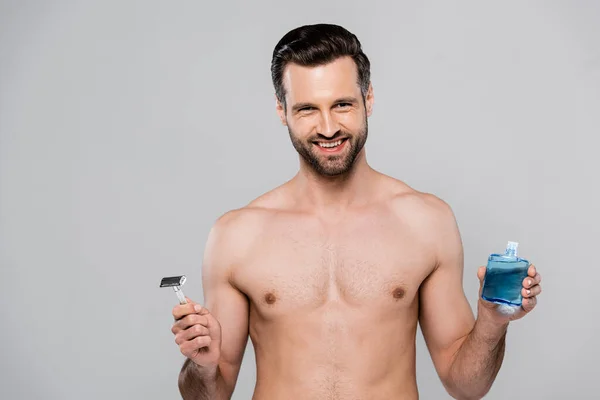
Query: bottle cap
column 511, row 248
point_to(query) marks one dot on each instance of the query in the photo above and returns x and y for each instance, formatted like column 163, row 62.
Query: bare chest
column 298, row 268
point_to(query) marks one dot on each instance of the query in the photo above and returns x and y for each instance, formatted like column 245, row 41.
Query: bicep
column 445, row 315
column 223, row 300
column 230, row 307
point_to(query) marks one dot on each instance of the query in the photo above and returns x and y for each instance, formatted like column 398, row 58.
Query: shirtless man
column 330, row 273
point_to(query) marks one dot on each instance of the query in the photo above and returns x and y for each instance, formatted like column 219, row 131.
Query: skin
column 330, row 273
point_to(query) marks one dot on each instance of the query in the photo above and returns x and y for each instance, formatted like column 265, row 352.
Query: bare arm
column 467, row 353
column 227, row 310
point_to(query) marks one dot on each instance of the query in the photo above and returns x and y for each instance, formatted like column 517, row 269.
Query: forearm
column 478, row 360
column 197, row 383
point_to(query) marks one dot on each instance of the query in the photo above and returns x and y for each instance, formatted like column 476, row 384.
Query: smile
column 331, row 145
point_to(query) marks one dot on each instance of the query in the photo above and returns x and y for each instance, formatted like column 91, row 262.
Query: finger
column 201, row 310
column 181, row 310
column 481, row 273
column 188, row 321
column 191, row 333
column 189, row 347
column 531, row 271
column 201, row 341
column 532, row 281
column 531, row 292
column 529, row 304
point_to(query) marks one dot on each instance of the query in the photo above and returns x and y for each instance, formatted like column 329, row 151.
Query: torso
column 334, row 304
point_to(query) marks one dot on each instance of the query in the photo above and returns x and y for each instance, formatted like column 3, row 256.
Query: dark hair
column 319, row 44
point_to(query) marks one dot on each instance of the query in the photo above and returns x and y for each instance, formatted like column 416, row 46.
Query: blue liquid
column 504, row 279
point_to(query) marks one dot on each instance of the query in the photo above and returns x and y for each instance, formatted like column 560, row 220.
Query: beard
column 335, row 164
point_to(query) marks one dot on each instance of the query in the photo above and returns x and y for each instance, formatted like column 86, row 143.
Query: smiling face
column 326, row 115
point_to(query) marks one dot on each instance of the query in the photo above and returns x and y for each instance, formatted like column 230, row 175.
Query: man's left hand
column 530, row 290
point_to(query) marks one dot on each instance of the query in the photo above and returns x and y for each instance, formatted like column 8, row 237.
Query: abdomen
column 336, row 352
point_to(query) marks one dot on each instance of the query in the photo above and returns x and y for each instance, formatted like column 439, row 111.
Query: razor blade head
column 172, row 281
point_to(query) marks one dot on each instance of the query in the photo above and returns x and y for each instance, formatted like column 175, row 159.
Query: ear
column 280, row 111
column 369, row 100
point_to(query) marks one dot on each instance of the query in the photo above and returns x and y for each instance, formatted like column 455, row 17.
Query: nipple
column 398, row 293
column 270, row 298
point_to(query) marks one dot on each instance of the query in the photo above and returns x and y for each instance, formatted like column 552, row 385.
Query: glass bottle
column 504, row 277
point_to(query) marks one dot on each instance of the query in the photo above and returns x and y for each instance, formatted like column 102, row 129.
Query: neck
column 334, row 193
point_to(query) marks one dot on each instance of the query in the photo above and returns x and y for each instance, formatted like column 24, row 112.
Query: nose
column 328, row 125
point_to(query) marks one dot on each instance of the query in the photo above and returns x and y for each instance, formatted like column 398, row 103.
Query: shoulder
column 230, row 242
column 235, row 232
column 433, row 220
column 428, row 216
column 408, row 202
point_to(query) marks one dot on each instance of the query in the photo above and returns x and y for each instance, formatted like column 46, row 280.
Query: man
column 330, row 273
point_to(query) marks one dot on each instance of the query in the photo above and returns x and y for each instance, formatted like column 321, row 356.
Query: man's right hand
column 198, row 334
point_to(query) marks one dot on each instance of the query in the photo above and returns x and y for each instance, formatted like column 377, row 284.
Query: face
column 326, row 115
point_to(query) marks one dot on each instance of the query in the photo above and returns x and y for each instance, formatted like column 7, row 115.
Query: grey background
column 127, row 128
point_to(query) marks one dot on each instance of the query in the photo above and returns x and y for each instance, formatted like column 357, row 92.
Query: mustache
column 338, row 135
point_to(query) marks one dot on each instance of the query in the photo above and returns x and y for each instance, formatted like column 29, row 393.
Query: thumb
column 214, row 327
column 481, row 275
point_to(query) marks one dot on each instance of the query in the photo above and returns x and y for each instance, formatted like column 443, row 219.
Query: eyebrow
column 349, row 99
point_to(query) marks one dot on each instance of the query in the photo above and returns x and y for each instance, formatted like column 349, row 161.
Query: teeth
column 330, row 145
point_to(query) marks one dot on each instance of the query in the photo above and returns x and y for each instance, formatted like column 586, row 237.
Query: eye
column 343, row 105
column 306, row 109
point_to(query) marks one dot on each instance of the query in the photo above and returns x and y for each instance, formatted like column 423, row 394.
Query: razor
column 176, row 282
